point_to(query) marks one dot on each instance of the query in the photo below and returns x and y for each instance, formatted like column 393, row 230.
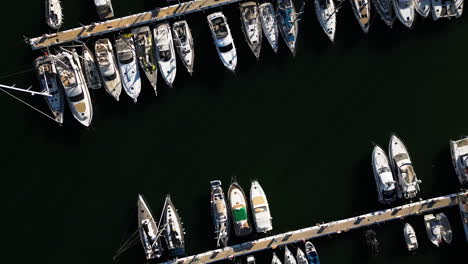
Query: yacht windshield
column 226, row 48
column 110, row 77
column 180, row 31
column 165, row 54
column 125, row 57
column 77, row 98
column 388, row 195
column 220, row 28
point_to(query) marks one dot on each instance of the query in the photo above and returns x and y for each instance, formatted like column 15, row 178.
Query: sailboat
column 144, row 48
column 288, row 256
column 410, row 237
column 219, row 213
column 423, row 7
column 47, row 76
column 269, row 24
column 172, row 229
column 361, row 10
column 90, row 69
column 404, row 11
column 385, row 10
column 326, row 15
column 239, row 213
column 108, row 67
column 184, row 44
column 251, row 26
column 165, row 52
column 288, row 23
column 54, row 15
column 126, row 59
column 148, row 230
column 260, row 208
column 74, row 84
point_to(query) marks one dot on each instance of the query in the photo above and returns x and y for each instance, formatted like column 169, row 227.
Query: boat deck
column 335, row 227
column 108, row 26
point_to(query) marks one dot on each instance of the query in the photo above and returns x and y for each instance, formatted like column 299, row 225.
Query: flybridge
column 113, row 25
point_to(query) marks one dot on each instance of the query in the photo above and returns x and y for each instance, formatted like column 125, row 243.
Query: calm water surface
column 303, row 127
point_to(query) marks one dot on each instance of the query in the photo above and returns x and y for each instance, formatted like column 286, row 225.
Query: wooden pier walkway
column 96, row 29
column 335, row 227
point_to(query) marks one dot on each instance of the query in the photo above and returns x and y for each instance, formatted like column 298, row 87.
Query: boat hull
column 459, row 153
column 260, row 208
column 386, row 187
column 219, row 214
column 239, row 212
column 174, row 232
column 410, row 237
column 269, row 24
column 224, row 45
column 144, row 48
column 251, row 26
column 326, row 15
column 126, row 59
column 165, row 53
column 385, row 10
column 107, row 64
column 404, row 11
column 184, row 44
column 361, row 11
column 148, row 230
column 288, row 23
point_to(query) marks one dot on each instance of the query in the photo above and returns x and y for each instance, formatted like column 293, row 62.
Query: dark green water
column 303, row 127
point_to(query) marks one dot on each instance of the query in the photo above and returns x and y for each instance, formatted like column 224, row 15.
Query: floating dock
column 113, row 25
column 335, row 227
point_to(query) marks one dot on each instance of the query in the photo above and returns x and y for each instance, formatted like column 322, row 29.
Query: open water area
column 304, row 127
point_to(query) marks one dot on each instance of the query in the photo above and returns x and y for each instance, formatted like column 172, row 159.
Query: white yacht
column 300, row 257
column 165, row 53
column 408, row 183
column 47, row 76
column 251, row 26
column 410, row 237
column 90, row 69
column 404, row 10
column 223, row 40
column 108, row 67
column 311, row 252
column 459, row 152
column 238, row 206
column 361, row 10
column 144, row 48
column 148, row 230
column 386, row 185
column 172, row 229
column 288, row 256
column 446, row 230
column 184, row 44
column 446, row 8
column 260, row 208
column 275, row 259
column 423, row 7
column 288, row 23
column 385, row 10
column 326, row 15
column 463, row 206
column 219, row 213
column 433, row 229
column 269, row 24
column 126, row 59
column 104, row 9
column 54, row 15
column 74, row 84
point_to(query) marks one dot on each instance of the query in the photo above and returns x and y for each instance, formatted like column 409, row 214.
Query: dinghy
column 47, row 76
column 433, row 229
column 144, row 48
column 269, row 24
column 423, row 7
column 219, row 213
column 173, row 231
column 148, row 230
column 404, row 10
column 74, row 84
column 260, row 208
column 288, row 23
column 108, row 67
column 54, row 16
column 239, row 213
column 251, row 26
column 165, row 53
column 288, row 256
column 90, row 69
column 361, row 10
column 126, row 59
column 408, row 183
column 459, row 153
column 311, row 252
column 385, row 10
column 386, row 185
column 300, row 257
column 184, row 44
column 326, row 15
column 223, row 40
column 410, row 237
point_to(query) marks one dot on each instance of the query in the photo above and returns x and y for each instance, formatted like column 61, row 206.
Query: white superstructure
column 408, row 183
column 386, row 185
column 260, row 208
column 459, row 153
column 165, row 53
column 107, row 66
column 223, row 40
column 326, row 15
column 269, row 24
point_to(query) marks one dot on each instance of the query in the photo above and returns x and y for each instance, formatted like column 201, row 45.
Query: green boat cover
column 240, row 214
